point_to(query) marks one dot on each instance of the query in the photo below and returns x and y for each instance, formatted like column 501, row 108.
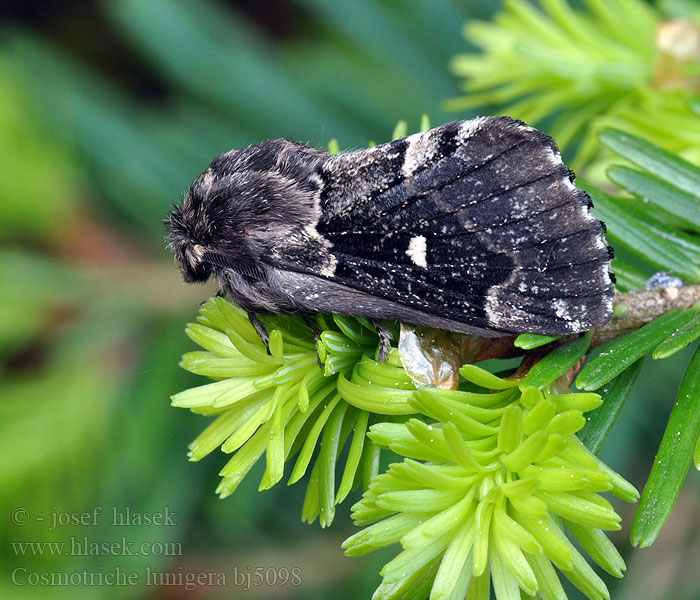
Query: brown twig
column 634, row 309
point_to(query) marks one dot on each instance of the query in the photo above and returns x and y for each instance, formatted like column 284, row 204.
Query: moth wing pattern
column 474, row 226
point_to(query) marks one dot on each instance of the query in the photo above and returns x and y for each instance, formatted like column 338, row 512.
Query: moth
column 474, row 226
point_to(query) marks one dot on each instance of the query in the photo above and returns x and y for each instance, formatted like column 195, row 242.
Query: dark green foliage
column 618, row 354
column 600, row 421
column 558, row 362
column 528, row 341
column 659, row 224
column 673, row 459
column 679, row 339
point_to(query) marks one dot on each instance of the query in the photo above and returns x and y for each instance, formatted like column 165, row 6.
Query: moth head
column 239, row 209
column 187, row 252
column 206, row 232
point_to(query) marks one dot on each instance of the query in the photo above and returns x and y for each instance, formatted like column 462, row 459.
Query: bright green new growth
column 489, row 479
column 488, row 490
column 284, row 405
column 608, row 63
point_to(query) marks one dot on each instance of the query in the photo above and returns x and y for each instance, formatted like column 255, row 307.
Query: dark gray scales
column 474, row 226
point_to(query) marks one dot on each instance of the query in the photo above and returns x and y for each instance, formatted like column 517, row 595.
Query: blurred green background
column 108, row 110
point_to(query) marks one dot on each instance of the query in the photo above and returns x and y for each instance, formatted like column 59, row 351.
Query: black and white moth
column 474, row 226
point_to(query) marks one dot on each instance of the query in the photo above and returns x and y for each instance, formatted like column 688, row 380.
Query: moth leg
column 384, row 339
column 260, row 329
column 223, row 289
column 312, row 323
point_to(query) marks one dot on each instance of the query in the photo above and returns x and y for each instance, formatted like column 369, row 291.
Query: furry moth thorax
column 235, row 214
